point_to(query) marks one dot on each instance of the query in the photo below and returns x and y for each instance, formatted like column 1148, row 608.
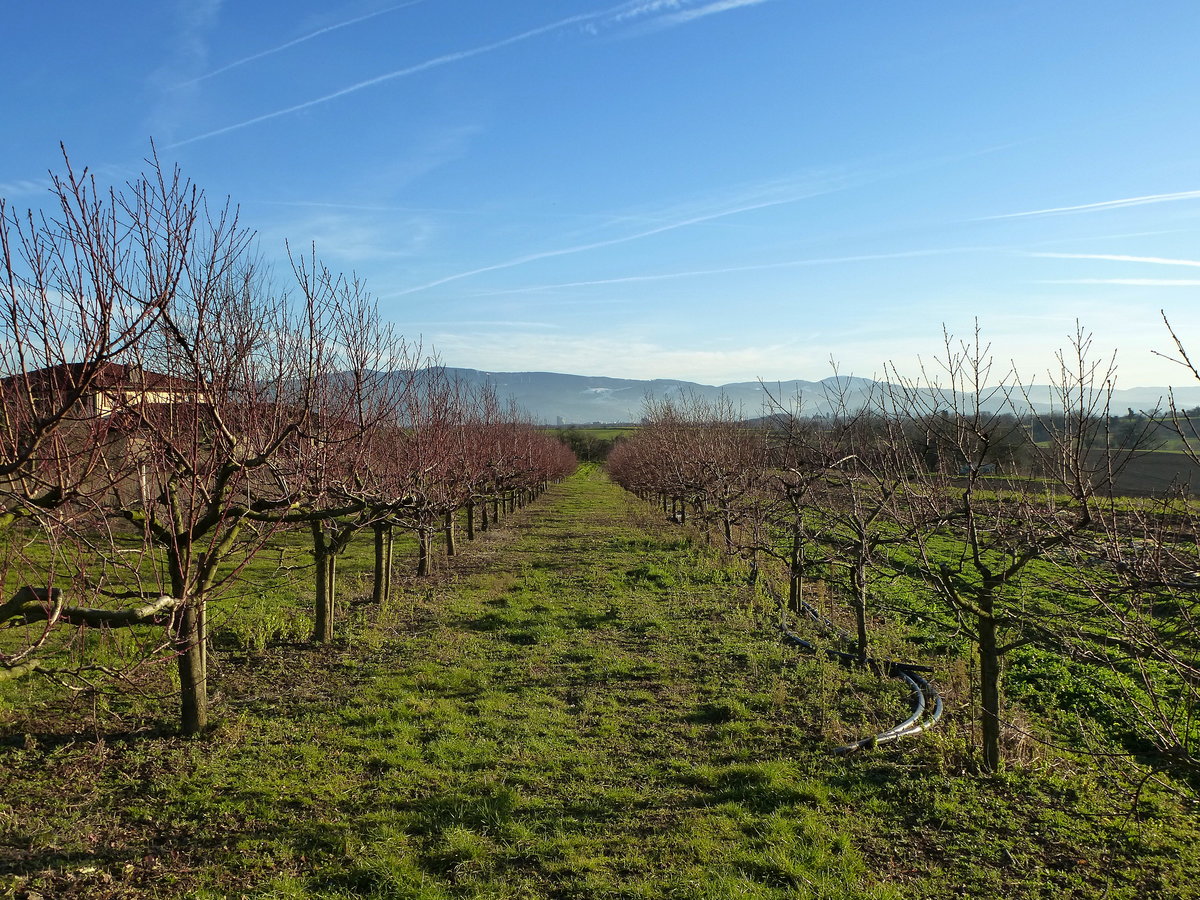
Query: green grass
column 590, row 705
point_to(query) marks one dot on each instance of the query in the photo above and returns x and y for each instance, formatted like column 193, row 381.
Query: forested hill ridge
column 549, row 397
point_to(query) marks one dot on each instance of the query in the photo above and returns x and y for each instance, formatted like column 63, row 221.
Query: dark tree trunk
column 193, row 676
column 324, row 561
column 423, row 550
column 191, row 661
column 203, row 635
column 859, row 600
column 448, row 530
column 470, row 520
column 389, row 561
column 383, row 564
column 989, row 688
column 331, row 590
column 794, row 571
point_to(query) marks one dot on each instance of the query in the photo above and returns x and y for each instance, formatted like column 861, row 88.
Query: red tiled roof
column 67, row 376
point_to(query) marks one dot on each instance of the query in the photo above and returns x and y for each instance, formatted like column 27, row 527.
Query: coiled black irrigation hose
column 926, row 702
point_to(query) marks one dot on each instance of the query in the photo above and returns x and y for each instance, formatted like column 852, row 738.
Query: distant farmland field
column 606, row 432
column 1158, row 471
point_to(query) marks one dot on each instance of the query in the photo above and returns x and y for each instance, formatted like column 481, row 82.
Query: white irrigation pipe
column 924, row 694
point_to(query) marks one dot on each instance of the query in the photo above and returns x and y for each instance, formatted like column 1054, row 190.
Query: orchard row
column 170, row 405
column 986, row 523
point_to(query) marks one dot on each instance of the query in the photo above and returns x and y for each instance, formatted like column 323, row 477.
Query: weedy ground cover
column 593, row 704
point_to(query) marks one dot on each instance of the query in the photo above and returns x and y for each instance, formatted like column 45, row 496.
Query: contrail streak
column 1106, row 204
column 446, row 59
column 758, row 267
column 675, row 12
column 580, row 248
column 293, row 43
column 1113, row 257
column 1136, row 282
column 436, row 61
column 721, row 6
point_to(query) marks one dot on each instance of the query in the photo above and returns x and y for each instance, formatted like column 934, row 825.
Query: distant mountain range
column 552, row 398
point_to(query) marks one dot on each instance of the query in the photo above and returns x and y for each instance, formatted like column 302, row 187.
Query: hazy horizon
column 1120, row 385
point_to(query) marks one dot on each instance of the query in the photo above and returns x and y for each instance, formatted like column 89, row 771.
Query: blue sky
column 713, row 190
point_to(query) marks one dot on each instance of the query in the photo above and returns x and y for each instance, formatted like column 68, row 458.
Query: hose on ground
column 926, row 703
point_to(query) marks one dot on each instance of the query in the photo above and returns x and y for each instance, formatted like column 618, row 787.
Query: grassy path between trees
column 588, row 707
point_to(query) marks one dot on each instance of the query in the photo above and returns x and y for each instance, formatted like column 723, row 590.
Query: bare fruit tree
column 1145, row 575
column 835, row 479
column 82, row 285
column 978, row 527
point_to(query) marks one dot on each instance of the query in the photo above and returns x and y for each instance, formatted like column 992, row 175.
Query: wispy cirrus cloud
column 432, row 63
column 729, row 270
column 24, row 187
column 658, row 14
column 655, row 14
column 1135, row 282
column 187, row 54
column 366, row 207
column 1096, row 207
column 292, row 43
column 1125, row 281
column 490, row 324
column 1116, row 257
column 641, row 9
column 354, row 238
column 755, row 199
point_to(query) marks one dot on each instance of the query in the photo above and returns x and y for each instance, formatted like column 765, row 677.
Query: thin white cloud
column 669, row 12
column 823, row 188
column 25, row 187
column 443, row 60
column 354, row 239
column 634, row 11
column 369, row 207
column 1093, row 207
column 490, row 324
column 300, row 40
column 1136, row 282
column 665, row 13
column 1111, row 236
column 689, row 15
column 1114, row 257
column 760, row 267
column 185, row 54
